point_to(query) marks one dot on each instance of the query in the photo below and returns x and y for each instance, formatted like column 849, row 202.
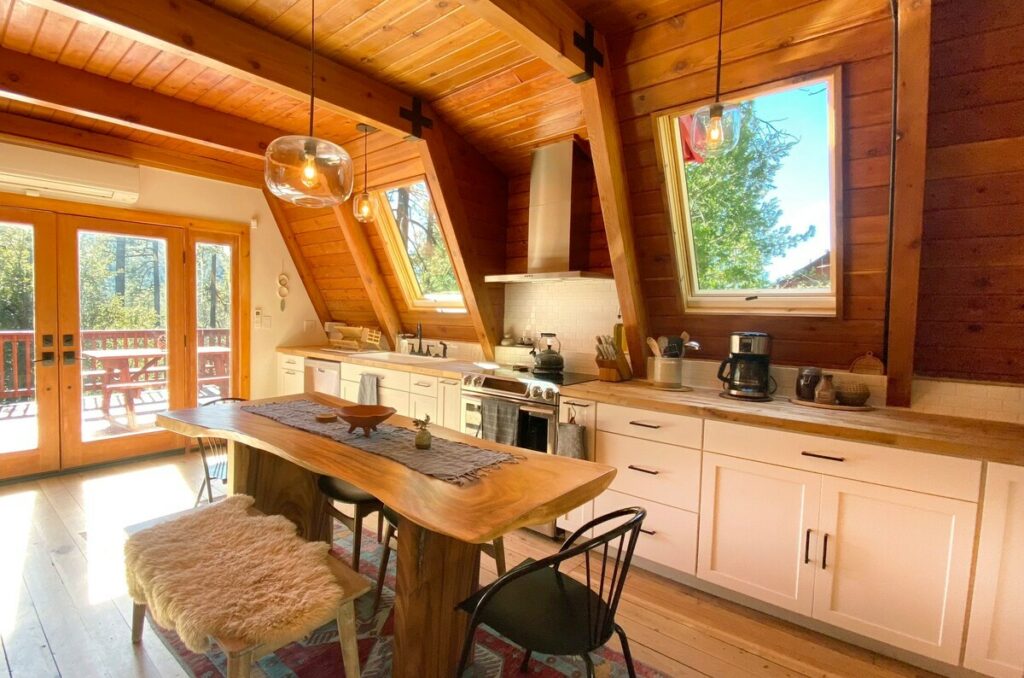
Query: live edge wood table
column 442, row 525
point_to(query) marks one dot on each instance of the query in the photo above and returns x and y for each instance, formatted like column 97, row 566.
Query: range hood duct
column 561, row 185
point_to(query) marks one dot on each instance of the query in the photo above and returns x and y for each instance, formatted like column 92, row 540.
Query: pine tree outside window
column 417, row 248
column 758, row 229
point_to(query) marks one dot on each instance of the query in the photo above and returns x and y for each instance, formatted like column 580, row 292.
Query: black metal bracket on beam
column 417, row 120
column 591, row 54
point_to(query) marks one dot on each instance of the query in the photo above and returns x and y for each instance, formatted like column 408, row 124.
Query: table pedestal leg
column 435, row 573
column 280, row 487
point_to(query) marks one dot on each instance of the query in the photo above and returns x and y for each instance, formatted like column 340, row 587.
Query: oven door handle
column 538, row 411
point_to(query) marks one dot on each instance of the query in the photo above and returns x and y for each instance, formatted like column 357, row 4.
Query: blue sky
column 802, row 183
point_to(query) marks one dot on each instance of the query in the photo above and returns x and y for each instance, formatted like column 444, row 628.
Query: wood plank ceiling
column 494, row 94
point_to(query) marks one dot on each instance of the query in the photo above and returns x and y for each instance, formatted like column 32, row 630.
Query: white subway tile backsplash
column 995, row 402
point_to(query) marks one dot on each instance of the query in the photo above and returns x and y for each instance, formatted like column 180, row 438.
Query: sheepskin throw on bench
column 223, row 572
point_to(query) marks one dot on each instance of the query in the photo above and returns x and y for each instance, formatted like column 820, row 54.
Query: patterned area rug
column 319, row 656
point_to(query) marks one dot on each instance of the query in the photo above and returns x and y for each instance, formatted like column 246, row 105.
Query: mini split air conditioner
column 38, row 172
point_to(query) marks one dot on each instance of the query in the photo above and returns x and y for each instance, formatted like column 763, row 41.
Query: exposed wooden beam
column 914, row 22
column 559, row 36
column 446, row 158
column 58, row 137
column 198, row 31
column 305, row 274
column 369, row 273
column 38, row 81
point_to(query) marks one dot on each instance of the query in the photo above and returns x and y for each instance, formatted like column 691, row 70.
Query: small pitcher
column 825, row 391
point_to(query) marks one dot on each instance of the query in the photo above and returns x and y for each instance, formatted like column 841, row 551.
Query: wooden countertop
column 537, row 489
column 955, row 436
column 445, row 369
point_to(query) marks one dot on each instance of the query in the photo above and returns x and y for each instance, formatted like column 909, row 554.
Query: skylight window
column 757, row 229
column 417, row 247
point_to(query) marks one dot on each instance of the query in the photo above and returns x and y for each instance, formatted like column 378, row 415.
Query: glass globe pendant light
column 362, row 206
column 716, row 128
column 304, row 170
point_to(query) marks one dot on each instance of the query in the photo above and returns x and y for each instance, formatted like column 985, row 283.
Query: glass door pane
column 123, row 333
column 28, row 378
column 214, row 314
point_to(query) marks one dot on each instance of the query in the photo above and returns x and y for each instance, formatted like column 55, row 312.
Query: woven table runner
column 446, row 460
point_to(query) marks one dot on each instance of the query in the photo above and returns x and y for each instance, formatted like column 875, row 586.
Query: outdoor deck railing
column 17, row 378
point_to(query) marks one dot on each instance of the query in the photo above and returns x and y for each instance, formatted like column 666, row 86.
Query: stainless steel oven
column 537, row 428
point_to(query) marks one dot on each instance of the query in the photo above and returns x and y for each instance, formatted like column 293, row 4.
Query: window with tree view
column 756, row 227
column 410, row 227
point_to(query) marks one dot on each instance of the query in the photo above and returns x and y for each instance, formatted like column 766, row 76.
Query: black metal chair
column 496, row 550
column 214, row 452
column 363, row 504
column 544, row 610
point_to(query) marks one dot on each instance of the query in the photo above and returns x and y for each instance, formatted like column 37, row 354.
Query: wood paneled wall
column 671, row 62
column 971, row 315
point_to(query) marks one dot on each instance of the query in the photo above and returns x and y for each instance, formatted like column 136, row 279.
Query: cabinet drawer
column 422, row 384
column 674, row 539
column 287, row 361
column 663, row 473
column 658, row 426
column 392, row 379
column 920, row 471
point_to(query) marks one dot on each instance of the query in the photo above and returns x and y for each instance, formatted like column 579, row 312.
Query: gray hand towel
column 368, row 389
column 572, row 441
column 499, row 421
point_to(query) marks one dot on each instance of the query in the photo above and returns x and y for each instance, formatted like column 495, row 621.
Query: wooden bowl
column 366, row 417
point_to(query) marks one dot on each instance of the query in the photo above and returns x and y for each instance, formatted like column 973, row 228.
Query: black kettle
column 549, row 360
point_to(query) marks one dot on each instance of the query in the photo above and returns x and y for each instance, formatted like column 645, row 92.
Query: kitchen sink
column 400, row 358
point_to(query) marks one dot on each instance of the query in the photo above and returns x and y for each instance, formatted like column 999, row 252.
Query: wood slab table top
column 955, row 436
column 537, row 489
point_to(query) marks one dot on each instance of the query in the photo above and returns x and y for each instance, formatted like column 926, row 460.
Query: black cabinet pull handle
column 643, row 425
column 822, row 456
column 807, row 547
column 648, row 531
column 824, row 553
column 643, row 470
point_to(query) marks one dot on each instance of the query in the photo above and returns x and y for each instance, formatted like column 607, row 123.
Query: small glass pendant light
column 362, row 205
column 716, row 128
column 304, row 170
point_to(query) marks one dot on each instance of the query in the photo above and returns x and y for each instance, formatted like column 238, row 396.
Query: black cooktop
column 521, row 373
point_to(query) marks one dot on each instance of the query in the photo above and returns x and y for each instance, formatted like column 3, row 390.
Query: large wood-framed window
column 416, row 246
column 758, row 229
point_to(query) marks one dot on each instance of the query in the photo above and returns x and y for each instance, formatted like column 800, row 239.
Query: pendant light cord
column 366, row 135
column 718, row 71
column 312, row 63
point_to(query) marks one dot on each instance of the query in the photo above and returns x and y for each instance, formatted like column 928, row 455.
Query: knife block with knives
column 611, row 360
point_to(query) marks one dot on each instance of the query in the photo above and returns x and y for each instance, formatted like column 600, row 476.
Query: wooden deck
column 64, row 611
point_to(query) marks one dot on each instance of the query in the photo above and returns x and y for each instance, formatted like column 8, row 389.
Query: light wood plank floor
column 64, row 610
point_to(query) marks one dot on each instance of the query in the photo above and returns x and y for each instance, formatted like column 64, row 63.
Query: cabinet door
column 450, row 407
column 390, row 397
column 576, row 518
column 290, row 382
column 995, row 637
column 350, row 391
column 894, row 565
column 421, row 406
column 758, row 530
column 669, row 535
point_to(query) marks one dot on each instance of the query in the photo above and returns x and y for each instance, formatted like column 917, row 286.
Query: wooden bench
column 241, row 655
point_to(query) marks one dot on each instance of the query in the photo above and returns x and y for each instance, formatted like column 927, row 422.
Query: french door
column 29, row 385
column 105, row 323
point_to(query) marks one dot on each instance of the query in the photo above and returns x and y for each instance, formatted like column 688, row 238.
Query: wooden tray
column 822, row 406
column 673, row 389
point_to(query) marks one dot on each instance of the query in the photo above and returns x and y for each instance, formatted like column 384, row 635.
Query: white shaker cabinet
column 758, row 530
column 585, row 412
column 894, row 565
column 995, row 635
column 422, row 406
column 291, row 374
column 449, row 406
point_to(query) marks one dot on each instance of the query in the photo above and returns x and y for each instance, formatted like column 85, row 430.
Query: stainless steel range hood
column 561, row 185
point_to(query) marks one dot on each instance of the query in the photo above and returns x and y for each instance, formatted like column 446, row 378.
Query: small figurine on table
column 423, row 436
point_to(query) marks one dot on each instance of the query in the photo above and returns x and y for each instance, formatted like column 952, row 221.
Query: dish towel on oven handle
column 499, row 421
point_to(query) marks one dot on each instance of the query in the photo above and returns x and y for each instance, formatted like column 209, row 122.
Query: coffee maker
column 744, row 374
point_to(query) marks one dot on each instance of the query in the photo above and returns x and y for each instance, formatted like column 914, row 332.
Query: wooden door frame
column 74, row 451
column 46, row 455
column 241, row 295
